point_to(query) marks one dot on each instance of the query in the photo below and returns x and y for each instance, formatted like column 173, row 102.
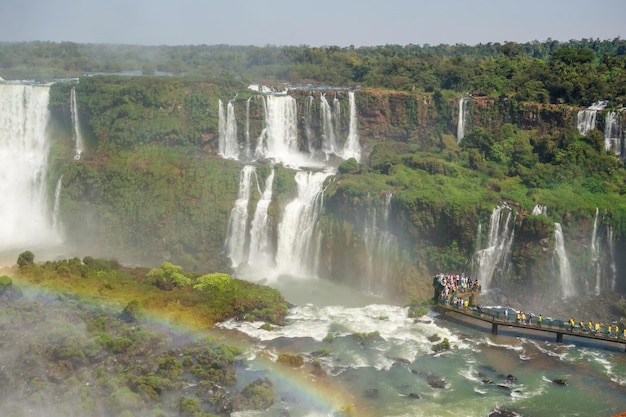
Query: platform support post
column 494, row 328
column 559, row 338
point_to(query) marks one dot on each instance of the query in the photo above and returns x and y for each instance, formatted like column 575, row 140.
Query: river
column 395, row 374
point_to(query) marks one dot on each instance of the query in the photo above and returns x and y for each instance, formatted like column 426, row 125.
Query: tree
column 25, row 258
column 168, row 276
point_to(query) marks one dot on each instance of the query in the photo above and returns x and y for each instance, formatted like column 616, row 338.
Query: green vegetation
column 165, row 291
column 576, row 72
column 78, row 354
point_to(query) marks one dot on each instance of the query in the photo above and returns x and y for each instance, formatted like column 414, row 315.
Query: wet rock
column 371, row 393
column 560, row 381
column 511, row 378
column 414, row 396
column 503, row 413
column 436, row 382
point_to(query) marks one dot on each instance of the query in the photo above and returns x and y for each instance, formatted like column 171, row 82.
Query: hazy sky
column 314, row 23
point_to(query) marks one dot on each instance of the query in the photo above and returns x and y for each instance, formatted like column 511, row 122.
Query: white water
column 248, row 151
column 379, row 242
column 261, row 249
column 496, row 255
column 540, row 209
column 352, row 147
column 298, row 237
column 228, row 145
column 56, row 211
column 463, row 114
column 308, row 120
column 586, row 118
column 236, row 236
column 78, row 138
column 613, row 266
column 329, row 141
column 565, row 272
column 613, row 133
column 24, row 147
column 595, row 254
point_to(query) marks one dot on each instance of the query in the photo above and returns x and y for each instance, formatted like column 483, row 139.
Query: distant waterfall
column 329, row 141
column 539, row 209
column 463, row 115
column 298, row 236
column 379, row 242
column 24, row 212
column 565, row 272
column 352, row 148
column 595, row 254
column 238, row 220
column 261, row 249
column 228, row 146
column 308, row 120
column 613, row 266
column 496, row 255
column 586, row 118
column 613, row 133
column 78, row 138
column 248, row 151
column 56, row 211
column 279, row 140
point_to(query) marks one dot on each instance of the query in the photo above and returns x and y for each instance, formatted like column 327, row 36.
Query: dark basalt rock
column 560, row 381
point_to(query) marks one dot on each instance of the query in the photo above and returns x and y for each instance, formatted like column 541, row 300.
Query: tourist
column 539, row 320
column 506, row 314
column 571, row 324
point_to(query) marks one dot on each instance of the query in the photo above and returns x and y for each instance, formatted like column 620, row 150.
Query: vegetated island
column 78, row 336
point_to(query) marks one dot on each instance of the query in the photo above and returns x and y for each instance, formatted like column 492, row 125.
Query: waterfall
column 613, row 266
column 463, row 115
column 586, row 118
column 298, row 238
column 78, row 139
column 248, row 152
column 279, row 139
column 595, row 254
column 56, row 211
column 565, row 272
column 613, row 133
column 238, row 220
column 539, row 209
column 260, row 244
column 329, row 141
column 352, row 148
column 379, row 242
column 228, row 146
column 496, row 256
column 308, row 120
column 24, row 148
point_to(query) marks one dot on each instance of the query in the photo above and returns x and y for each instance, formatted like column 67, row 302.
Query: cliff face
column 151, row 187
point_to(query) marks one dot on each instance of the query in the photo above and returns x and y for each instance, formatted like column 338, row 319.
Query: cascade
column 308, row 120
column 261, row 249
column 329, row 142
column 24, row 147
column 565, row 272
column 56, row 212
column 279, row 139
column 379, row 242
column 352, row 148
column 586, row 118
column 236, row 236
column 78, row 139
column 496, row 255
column 539, row 209
column 595, row 254
column 613, row 266
column 613, row 133
column 298, row 237
column 463, row 115
column 228, row 146
column 248, row 152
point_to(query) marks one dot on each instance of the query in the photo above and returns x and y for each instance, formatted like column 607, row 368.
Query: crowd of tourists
column 449, row 286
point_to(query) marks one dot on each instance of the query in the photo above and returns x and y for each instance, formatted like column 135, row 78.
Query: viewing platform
column 465, row 304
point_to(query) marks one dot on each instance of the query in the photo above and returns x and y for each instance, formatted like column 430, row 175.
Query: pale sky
column 313, row 23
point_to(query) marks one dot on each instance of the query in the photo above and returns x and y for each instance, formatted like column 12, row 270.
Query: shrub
column 25, row 258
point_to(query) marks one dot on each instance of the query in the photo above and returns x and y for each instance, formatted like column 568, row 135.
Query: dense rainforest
column 150, row 186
